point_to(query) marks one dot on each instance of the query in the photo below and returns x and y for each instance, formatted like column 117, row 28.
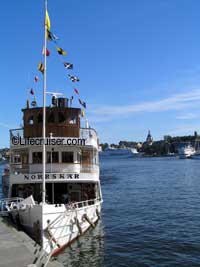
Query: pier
column 19, row 250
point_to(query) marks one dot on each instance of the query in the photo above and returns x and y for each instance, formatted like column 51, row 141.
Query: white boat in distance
column 112, row 151
column 186, row 151
column 53, row 181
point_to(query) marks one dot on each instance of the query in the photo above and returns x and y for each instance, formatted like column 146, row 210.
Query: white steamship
column 53, row 173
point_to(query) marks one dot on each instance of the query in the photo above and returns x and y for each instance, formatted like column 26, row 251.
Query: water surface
column 151, row 215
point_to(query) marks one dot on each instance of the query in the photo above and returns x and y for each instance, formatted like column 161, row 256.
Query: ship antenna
column 44, row 110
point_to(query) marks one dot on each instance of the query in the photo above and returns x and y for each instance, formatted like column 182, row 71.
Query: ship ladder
column 78, row 225
column 52, row 238
column 88, row 220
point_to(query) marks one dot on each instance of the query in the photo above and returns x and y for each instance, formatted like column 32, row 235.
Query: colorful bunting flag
column 82, row 112
column 47, row 21
column 41, row 67
column 47, row 52
column 82, row 103
column 73, row 78
column 68, row 65
column 31, row 91
column 61, row 51
column 51, row 36
column 76, row 91
column 36, row 78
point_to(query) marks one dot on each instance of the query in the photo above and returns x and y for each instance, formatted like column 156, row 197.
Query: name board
column 52, row 176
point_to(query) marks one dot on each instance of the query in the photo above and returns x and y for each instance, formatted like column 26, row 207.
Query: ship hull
column 54, row 227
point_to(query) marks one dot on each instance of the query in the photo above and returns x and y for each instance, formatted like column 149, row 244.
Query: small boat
column 135, row 153
column 186, row 151
column 123, row 151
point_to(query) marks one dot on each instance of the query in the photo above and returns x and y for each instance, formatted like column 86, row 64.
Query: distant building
column 149, row 139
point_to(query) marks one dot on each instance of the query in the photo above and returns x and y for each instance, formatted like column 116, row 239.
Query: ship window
column 40, row 118
column 37, row 157
column 51, row 117
column 72, row 120
column 67, row 157
column 52, row 157
column 17, row 158
column 61, row 117
column 30, row 120
column 25, row 158
column 86, row 157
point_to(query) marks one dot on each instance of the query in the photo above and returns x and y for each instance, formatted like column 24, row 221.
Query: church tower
column 149, row 139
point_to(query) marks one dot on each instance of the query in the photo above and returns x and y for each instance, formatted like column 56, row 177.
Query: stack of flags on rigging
column 69, row 66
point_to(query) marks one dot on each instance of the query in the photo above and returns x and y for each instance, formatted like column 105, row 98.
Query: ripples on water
column 151, row 216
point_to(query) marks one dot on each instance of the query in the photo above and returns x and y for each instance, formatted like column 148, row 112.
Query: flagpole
column 44, row 112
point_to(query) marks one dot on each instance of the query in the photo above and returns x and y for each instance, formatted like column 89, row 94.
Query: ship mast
column 44, row 110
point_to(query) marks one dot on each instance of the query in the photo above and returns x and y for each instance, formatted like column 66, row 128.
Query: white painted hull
column 119, row 152
column 56, row 225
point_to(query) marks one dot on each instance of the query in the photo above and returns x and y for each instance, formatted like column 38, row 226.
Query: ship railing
column 90, row 168
column 88, row 133
column 6, row 204
column 20, row 168
column 85, row 203
column 74, row 205
column 84, row 133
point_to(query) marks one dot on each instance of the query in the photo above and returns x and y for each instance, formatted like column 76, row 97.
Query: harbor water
column 150, row 216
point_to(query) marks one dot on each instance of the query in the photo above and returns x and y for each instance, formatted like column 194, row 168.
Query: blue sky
column 138, row 62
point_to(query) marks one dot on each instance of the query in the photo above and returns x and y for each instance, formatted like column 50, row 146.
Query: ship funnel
column 62, row 102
